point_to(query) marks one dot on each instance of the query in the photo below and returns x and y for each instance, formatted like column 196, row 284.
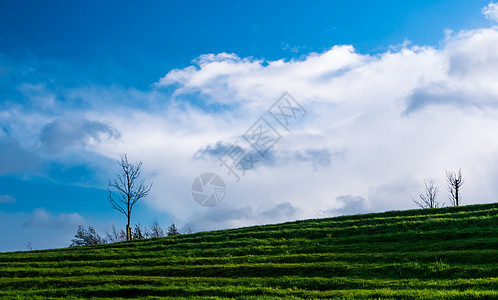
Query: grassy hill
column 447, row 253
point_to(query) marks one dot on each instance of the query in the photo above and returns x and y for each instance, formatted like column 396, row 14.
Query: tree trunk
column 129, row 235
column 456, row 195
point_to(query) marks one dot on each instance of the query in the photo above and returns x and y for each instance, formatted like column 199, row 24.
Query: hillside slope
column 448, row 253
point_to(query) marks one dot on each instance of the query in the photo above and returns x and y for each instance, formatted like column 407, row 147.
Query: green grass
column 447, row 253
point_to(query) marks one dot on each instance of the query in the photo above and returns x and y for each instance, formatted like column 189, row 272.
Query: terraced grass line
column 448, row 253
column 238, row 291
column 398, row 242
column 292, row 282
column 396, row 270
column 474, row 257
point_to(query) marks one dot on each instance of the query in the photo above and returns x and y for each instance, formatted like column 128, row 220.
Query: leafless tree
column 114, row 236
column 29, row 246
column 455, row 182
column 129, row 188
column 428, row 197
column 155, row 229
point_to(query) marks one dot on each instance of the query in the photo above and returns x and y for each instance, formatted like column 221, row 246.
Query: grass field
column 447, row 253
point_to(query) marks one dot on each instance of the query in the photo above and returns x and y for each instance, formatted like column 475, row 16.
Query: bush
column 86, row 237
column 172, row 230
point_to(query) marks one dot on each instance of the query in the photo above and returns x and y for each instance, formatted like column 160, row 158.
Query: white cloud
column 227, row 78
column 350, row 205
column 40, row 228
column 396, row 118
column 491, row 11
column 62, row 133
column 7, row 199
column 283, row 210
column 377, row 125
column 40, row 218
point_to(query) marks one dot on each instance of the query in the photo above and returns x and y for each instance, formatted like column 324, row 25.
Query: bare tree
column 114, row 236
column 428, row 197
column 129, row 188
column 455, row 182
column 29, row 246
column 155, row 229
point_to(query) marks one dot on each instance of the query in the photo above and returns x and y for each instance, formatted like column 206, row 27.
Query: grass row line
column 374, row 218
column 475, row 257
column 484, row 239
column 128, row 291
column 315, row 230
column 403, row 214
column 485, row 217
column 337, row 222
column 324, row 269
column 293, row 282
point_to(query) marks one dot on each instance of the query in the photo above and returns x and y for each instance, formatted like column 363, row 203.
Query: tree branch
column 128, row 187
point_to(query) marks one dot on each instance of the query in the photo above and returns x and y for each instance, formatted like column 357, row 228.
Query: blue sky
column 174, row 83
column 133, row 45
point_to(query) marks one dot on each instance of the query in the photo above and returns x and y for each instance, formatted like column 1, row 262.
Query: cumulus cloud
column 376, row 126
column 228, row 216
column 283, row 210
column 40, row 218
column 317, row 158
column 467, row 74
column 63, row 133
column 42, row 234
column 227, row 78
column 7, row 199
column 40, row 97
column 212, row 151
column 491, row 11
column 224, row 216
column 388, row 195
column 350, row 205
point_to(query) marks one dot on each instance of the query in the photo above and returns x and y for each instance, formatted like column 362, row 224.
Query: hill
column 447, row 253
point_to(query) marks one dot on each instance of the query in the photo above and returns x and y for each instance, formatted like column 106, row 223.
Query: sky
column 385, row 95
